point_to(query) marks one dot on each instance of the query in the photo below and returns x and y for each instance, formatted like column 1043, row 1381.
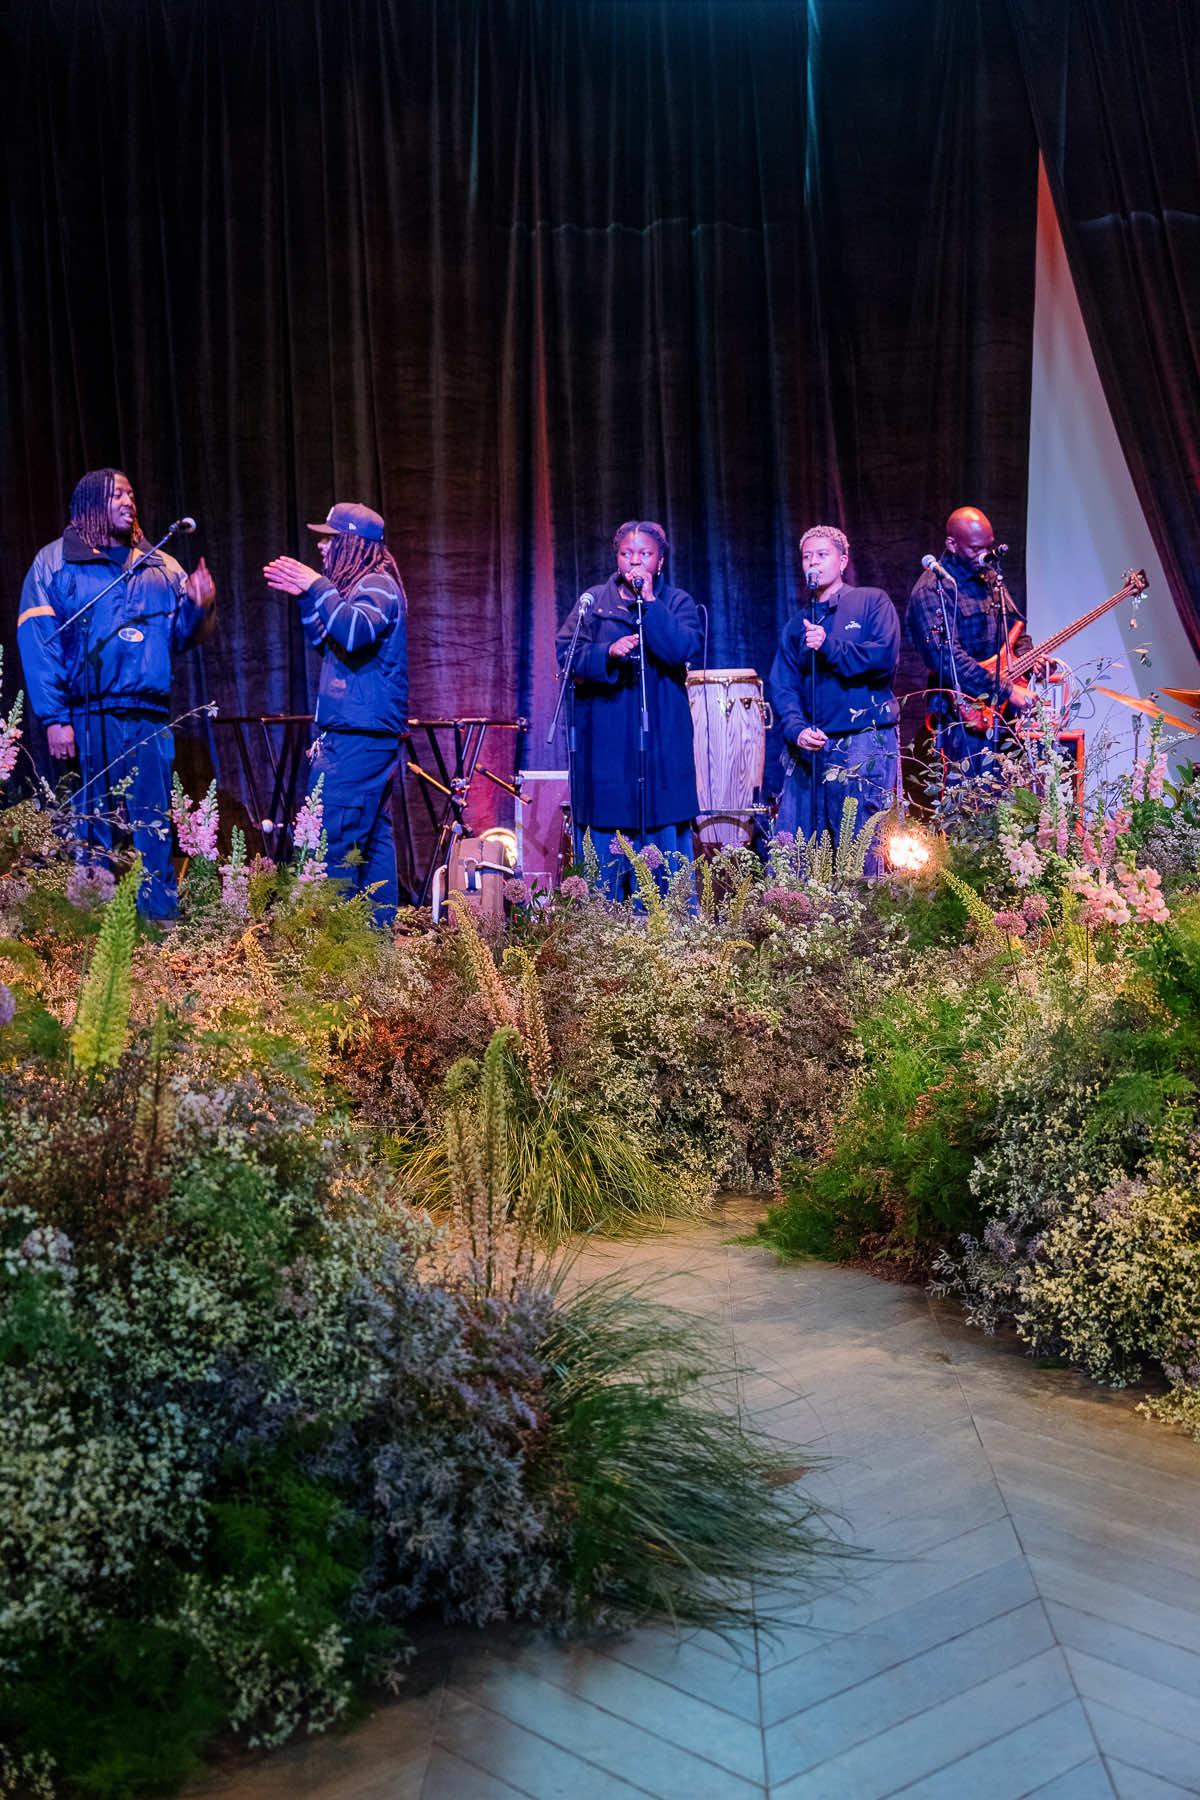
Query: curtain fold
column 513, row 271
column 1115, row 90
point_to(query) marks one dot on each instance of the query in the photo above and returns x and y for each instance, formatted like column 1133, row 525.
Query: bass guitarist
column 962, row 618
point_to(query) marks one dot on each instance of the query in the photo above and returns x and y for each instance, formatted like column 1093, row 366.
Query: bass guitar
column 980, row 715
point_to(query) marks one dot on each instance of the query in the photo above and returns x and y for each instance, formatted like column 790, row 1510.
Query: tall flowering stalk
column 10, row 738
column 196, row 826
column 235, row 877
column 499, row 1008
column 308, row 836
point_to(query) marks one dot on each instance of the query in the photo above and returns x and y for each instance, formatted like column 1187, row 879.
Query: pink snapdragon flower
column 235, row 888
column 306, row 832
column 196, row 828
column 10, row 745
column 1141, row 890
column 1149, row 777
column 1103, row 904
column 1118, row 824
column 1024, row 863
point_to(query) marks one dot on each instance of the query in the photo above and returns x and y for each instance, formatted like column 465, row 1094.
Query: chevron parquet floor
column 1028, row 1623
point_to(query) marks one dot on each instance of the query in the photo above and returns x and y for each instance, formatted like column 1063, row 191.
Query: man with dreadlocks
column 356, row 615
column 98, row 668
column 831, row 686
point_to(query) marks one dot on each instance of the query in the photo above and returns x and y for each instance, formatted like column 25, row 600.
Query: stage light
column 908, row 851
column 501, row 844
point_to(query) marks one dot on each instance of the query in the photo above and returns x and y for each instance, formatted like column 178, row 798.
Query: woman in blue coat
column 608, row 704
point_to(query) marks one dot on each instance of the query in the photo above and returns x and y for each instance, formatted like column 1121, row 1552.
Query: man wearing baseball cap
column 356, row 615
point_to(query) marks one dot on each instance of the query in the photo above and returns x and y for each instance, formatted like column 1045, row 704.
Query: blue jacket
column 607, row 709
column 363, row 640
column 855, row 666
column 130, row 635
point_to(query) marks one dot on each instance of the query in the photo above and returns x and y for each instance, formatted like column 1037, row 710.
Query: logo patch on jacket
column 129, row 634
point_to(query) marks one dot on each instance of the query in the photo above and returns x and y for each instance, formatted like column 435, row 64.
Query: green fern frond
column 102, row 1018
column 854, row 847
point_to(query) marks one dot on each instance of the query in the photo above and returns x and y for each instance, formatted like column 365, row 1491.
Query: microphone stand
column 82, row 614
column 586, row 602
column 644, row 722
column 812, row 716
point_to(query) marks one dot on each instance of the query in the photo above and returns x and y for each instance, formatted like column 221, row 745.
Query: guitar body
column 981, row 715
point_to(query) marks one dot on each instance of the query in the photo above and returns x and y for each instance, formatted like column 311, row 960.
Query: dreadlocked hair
column 89, row 508
column 350, row 557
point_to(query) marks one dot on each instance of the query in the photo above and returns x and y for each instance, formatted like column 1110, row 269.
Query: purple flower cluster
column 8, row 1006
column 574, row 888
column 516, row 891
column 90, row 884
column 790, row 902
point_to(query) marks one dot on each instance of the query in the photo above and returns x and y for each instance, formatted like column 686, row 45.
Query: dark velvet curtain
column 1115, row 90
column 513, row 271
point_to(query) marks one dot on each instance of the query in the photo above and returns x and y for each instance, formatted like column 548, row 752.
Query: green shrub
column 895, row 1181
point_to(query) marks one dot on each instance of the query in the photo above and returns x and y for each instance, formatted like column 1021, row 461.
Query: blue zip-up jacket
column 855, row 666
column 363, row 640
column 131, row 635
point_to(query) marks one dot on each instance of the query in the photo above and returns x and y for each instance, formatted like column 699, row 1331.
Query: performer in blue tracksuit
column 607, row 705
column 849, row 740
column 356, row 615
column 99, row 674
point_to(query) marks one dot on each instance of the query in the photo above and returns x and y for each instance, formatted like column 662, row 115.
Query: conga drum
column 730, row 720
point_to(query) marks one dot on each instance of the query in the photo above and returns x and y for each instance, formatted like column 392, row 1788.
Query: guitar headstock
column 1136, row 583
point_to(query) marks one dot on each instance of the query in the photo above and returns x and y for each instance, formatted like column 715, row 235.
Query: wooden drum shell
column 730, row 721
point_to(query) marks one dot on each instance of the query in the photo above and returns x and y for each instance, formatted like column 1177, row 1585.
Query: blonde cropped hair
column 827, row 531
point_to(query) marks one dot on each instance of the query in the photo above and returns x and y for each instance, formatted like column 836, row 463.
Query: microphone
column 931, row 562
column 812, row 580
column 586, row 600
column 995, row 553
column 635, row 582
column 182, row 527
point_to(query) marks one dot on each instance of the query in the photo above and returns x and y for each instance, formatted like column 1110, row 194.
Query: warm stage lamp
column 908, row 851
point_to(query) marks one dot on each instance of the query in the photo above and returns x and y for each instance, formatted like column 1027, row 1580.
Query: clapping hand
column 288, row 576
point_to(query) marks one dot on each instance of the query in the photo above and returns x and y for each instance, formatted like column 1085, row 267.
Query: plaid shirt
column 974, row 632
